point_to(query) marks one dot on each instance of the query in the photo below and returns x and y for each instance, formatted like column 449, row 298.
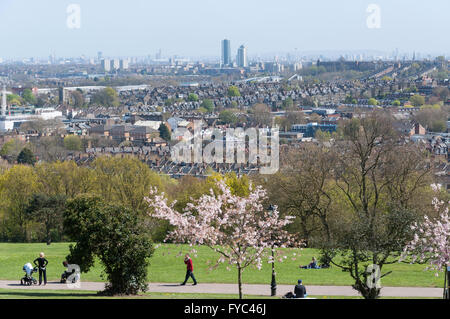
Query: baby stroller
column 28, row 279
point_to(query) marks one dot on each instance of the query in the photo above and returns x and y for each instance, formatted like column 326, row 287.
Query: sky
column 194, row 28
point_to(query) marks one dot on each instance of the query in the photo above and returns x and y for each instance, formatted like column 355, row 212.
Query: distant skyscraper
column 226, row 53
column 124, row 64
column 115, row 64
column 99, row 55
column 4, row 101
column 241, row 58
column 106, row 65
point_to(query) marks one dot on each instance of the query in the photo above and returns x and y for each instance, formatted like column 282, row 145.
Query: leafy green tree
column 107, row 97
column 26, row 156
column 28, row 96
column 227, row 117
column 372, row 101
column 233, row 91
column 288, row 103
column 48, row 212
column 208, row 105
column 16, row 188
column 192, row 97
column 116, row 235
column 14, row 99
column 439, row 126
column 65, row 178
column 72, row 143
column 164, row 132
column 396, row 103
column 11, row 149
column 124, row 180
column 417, row 100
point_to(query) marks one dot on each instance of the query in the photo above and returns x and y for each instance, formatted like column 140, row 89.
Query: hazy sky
column 196, row 27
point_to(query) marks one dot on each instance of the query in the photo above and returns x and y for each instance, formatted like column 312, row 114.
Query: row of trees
column 32, row 197
column 47, row 148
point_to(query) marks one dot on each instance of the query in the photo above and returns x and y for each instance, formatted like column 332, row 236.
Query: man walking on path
column 189, row 271
column 300, row 290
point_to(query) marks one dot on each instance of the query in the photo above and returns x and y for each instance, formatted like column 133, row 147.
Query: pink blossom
column 431, row 240
column 238, row 228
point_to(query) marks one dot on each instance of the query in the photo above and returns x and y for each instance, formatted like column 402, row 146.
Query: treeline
column 33, row 198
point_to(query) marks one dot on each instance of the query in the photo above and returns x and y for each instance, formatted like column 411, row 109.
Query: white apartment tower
column 115, row 64
column 241, row 58
column 106, row 65
column 4, row 101
column 124, row 64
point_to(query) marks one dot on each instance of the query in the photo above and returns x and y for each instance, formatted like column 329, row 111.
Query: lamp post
column 447, row 283
column 273, row 284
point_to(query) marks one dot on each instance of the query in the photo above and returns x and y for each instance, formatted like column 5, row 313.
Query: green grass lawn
column 167, row 266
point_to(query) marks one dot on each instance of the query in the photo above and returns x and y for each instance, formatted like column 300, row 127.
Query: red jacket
column 188, row 262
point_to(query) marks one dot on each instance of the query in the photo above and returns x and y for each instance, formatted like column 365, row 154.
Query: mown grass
column 167, row 266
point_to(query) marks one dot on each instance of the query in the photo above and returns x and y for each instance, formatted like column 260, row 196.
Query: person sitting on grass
column 312, row 265
column 300, row 290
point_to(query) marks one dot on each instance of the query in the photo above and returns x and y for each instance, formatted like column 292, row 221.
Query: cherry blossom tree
column 431, row 243
column 239, row 228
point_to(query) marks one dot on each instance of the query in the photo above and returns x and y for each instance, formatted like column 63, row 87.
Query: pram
column 28, row 279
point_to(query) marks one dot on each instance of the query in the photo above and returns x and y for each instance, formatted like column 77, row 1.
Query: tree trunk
column 49, row 237
column 240, row 281
column 366, row 292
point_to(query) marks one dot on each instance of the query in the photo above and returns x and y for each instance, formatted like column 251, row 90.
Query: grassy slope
column 167, row 266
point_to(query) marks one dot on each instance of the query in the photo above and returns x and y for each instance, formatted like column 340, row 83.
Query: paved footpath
column 259, row 290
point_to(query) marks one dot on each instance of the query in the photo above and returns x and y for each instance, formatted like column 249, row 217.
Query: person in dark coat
column 300, row 290
column 42, row 263
column 189, row 270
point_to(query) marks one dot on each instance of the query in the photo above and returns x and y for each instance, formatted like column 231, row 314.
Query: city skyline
column 142, row 27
